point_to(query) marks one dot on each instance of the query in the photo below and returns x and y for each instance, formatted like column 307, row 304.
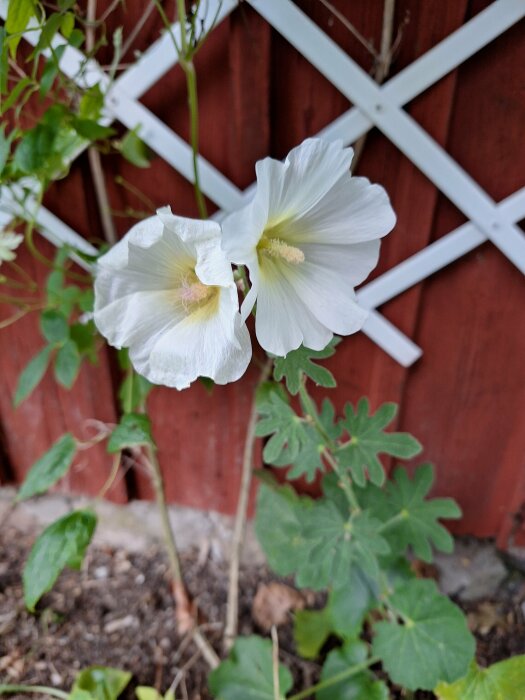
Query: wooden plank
column 467, row 393
column 51, row 410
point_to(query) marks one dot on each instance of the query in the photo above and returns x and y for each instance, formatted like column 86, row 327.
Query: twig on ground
column 232, row 612
column 275, row 664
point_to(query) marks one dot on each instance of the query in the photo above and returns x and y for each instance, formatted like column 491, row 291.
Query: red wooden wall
column 464, row 399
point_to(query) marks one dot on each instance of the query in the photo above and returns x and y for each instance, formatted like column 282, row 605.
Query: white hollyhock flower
column 9, row 242
column 308, row 237
column 166, row 292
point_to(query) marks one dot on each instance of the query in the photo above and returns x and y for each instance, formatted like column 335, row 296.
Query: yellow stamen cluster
column 277, row 248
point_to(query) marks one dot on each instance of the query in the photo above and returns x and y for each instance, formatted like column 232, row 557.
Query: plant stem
column 193, row 104
column 394, row 520
column 232, row 611
column 311, row 411
column 180, row 594
column 54, row 692
column 169, row 537
column 352, row 671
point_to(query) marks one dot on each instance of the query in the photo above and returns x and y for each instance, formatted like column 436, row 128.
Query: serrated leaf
column 101, row 682
column 361, row 686
column 54, row 326
column 278, row 525
column 286, row 428
column 248, row 673
column 334, row 545
column 61, row 545
column 368, row 440
column 134, row 150
column 308, row 460
column 418, row 526
column 299, row 362
column 67, row 364
column 432, row 631
column 49, row 468
column 32, row 375
column 133, row 430
column 502, row 681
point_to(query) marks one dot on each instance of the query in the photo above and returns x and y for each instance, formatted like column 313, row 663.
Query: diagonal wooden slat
column 396, row 124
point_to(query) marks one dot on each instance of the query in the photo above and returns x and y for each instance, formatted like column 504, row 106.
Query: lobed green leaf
column 501, row 681
column 133, row 430
column 299, row 362
column 361, row 686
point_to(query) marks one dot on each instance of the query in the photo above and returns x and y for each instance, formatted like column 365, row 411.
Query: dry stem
column 232, row 611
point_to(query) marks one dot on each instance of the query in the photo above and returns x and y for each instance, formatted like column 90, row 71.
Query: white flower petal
column 172, row 300
column 9, row 242
column 283, row 321
column 193, row 348
column 351, row 264
column 353, row 211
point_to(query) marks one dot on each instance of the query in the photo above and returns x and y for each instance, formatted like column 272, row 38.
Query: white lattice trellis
column 374, row 106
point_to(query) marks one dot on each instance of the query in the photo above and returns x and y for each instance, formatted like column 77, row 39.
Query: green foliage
column 19, row 12
column 417, row 526
column 133, row 430
column 32, row 375
column 99, row 683
column 248, row 673
column 368, row 440
column 429, row 628
column 502, row 681
column 286, row 428
column 54, row 326
column 67, row 364
column 51, row 467
column 361, row 686
column 298, row 363
column 62, row 544
column 134, row 150
column 144, row 692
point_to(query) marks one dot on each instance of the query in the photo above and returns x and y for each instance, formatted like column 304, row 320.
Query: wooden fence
column 259, row 95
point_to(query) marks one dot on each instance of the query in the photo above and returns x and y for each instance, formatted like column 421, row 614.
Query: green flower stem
column 311, row 411
column 232, row 610
column 329, row 682
column 54, row 692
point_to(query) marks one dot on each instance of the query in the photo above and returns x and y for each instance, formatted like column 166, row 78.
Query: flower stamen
column 277, row 248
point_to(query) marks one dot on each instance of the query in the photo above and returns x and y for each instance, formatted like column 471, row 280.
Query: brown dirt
column 118, row 611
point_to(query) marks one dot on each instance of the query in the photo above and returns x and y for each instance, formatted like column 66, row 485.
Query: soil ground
column 118, row 611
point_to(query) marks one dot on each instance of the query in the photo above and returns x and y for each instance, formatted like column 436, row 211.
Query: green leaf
column 299, row 362
column 19, row 12
column 311, row 629
column 34, row 150
column 54, row 326
column 5, row 147
column 4, row 62
column 287, row 429
column 248, row 673
column 342, row 616
column 83, row 335
column 430, row 643
column 133, row 430
column 91, row 130
column 50, row 28
column 133, row 392
column 32, row 375
column 14, row 95
column 417, row 526
column 49, row 468
column 101, row 682
column 334, row 545
column 361, row 686
column 67, row 364
column 502, row 681
column 91, row 103
column 62, row 544
column 278, row 524
column 368, row 440
column 134, row 150
column 51, row 69
column 67, row 24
